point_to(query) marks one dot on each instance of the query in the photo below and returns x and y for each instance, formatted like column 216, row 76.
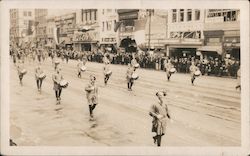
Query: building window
column 103, row 11
column 25, row 22
column 29, row 13
column 25, row 13
column 109, row 24
column 90, row 15
column 86, row 16
column 230, row 16
column 95, row 17
column 181, row 15
column 174, row 16
column 197, row 15
column 189, row 15
column 103, row 25
column 114, row 24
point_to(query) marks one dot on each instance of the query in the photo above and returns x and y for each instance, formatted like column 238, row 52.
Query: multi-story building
column 108, row 35
column 126, row 28
column 87, row 34
column 20, row 23
column 184, row 32
column 65, row 25
column 142, row 28
column 157, row 31
column 222, row 33
column 50, row 36
column 40, row 18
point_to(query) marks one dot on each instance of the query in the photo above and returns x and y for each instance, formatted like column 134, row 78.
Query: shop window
column 197, row 15
column 189, row 15
column 181, row 15
column 174, row 15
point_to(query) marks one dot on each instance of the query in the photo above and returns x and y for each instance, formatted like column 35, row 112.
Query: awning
column 217, row 49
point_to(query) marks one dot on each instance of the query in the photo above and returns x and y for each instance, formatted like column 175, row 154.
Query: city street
column 206, row 114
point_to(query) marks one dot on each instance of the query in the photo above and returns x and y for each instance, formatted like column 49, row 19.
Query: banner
column 56, row 34
column 139, row 33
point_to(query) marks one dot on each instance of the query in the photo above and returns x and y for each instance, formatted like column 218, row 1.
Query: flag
column 117, row 25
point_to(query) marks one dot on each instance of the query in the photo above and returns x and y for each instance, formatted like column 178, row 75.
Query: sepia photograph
column 125, row 77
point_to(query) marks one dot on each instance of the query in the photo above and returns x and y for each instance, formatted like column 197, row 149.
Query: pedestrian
column 193, row 69
column 39, row 75
column 130, row 80
column 106, row 70
column 21, row 71
column 79, row 68
column 168, row 67
column 159, row 112
column 238, row 86
column 57, row 77
column 92, row 95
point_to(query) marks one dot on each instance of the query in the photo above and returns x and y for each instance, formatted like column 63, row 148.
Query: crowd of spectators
column 208, row 66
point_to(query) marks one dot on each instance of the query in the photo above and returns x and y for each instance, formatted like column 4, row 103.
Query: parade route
column 206, row 114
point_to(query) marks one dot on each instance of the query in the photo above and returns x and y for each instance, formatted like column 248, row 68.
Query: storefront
column 86, row 41
column 231, row 44
column 223, row 43
column 183, row 48
column 109, row 43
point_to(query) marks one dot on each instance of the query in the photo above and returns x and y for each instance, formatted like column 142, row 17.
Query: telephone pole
column 149, row 29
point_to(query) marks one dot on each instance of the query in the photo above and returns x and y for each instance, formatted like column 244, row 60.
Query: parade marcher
column 106, row 70
column 57, row 78
column 79, row 66
column 159, row 112
column 238, row 86
column 92, row 95
column 39, row 75
column 193, row 69
column 21, row 71
column 168, row 67
column 39, row 55
column 56, row 62
column 84, row 58
column 129, row 73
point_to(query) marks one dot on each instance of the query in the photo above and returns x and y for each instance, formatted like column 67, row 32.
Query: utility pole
column 149, row 29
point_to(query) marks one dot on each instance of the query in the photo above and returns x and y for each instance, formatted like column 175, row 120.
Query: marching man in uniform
column 168, row 67
column 21, row 71
column 106, row 70
column 57, row 78
column 79, row 70
column 193, row 69
column 39, row 75
column 238, row 79
column 92, row 95
column 129, row 74
column 159, row 112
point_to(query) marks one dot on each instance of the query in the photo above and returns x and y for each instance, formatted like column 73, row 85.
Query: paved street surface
column 207, row 114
